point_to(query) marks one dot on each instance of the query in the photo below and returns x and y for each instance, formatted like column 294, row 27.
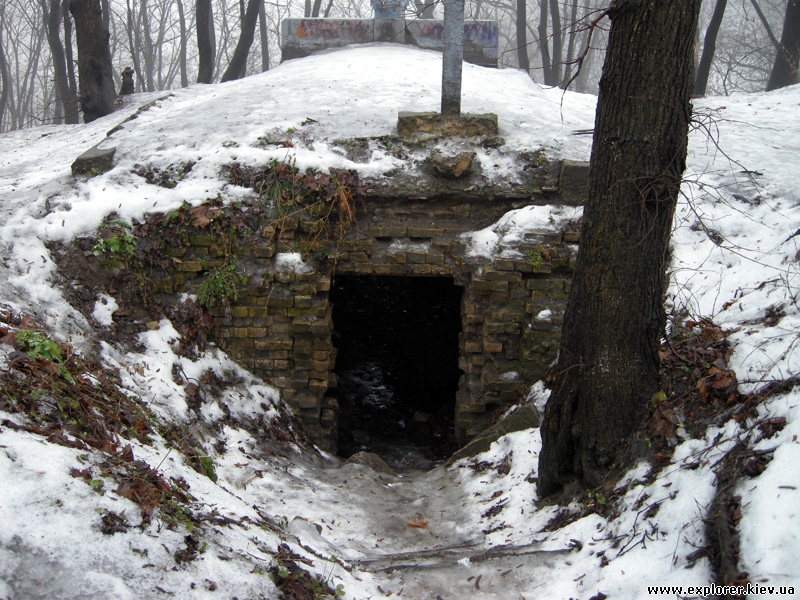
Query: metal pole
column 453, row 38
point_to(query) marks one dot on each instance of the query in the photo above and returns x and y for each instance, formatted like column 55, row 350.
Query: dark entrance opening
column 397, row 365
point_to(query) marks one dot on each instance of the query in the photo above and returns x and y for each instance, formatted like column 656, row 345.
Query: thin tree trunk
column 5, row 81
column 547, row 63
column 608, row 364
column 262, row 29
column 316, row 8
column 709, row 46
column 184, row 44
column 785, row 70
column 147, row 46
column 97, row 93
column 73, row 81
column 765, row 23
column 206, row 46
column 239, row 60
column 134, row 41
column 558, row 42
column 522, row 39
column 67, row 102
column 573, row 34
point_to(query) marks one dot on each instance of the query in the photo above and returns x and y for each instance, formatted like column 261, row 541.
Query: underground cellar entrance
column 396, row 340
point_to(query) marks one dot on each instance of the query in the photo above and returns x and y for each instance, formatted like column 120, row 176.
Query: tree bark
column 97, row 92
column 238, row 63
column 263, row 34
column 206, row 44
column 522, row 39
column 785, row 70
column 709, row 45
column 608, row 363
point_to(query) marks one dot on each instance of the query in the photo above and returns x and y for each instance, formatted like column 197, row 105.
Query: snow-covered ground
column 473, row 530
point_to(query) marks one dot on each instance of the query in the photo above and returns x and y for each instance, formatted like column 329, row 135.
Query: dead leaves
column 417, row 523
column 201, row 216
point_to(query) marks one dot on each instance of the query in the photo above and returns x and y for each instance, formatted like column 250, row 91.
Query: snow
column 734, row 261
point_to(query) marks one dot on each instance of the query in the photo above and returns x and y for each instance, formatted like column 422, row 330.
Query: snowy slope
column 735, row 261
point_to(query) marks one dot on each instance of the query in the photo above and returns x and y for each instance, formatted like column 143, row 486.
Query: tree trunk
column 73, row 82
column 558, row 43
column 206, row 45
column 184, row 44
column 522, row 39
column 135, row 43
column 5, row 81
column 709, row 45
column 235, row 70
column 147, row 47
column 67, row 101
column 97, row 93
column 785, row 69
column 547, row 63
column 762, row 17
column 262, row 30
column 608, row 363
column 573, row 35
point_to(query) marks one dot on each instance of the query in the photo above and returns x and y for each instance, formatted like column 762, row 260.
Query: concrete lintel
column 433, row 124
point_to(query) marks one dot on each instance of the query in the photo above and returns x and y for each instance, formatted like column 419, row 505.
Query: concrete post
column 453, row 38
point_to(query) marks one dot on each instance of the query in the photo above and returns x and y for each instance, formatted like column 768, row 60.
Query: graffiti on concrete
column 347, row 30
column 302, row 37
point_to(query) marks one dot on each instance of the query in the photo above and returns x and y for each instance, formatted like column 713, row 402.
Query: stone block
column 94, row 161
column 473, row 347
column 425, row 232
column 493, row 347
column 434, row 124
column 573, row 182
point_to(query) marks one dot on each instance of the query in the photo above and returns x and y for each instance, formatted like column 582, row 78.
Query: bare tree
column 68, row 55
column 522, row 40
column 5, row 79
column 239, row 60
column 264, row 37
column 206, row 44
column 66, row 101
column 184, row 45
column 709, row 46
column 544, row 49
column 97, row 91
column 608, row 363
column 785, row 69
